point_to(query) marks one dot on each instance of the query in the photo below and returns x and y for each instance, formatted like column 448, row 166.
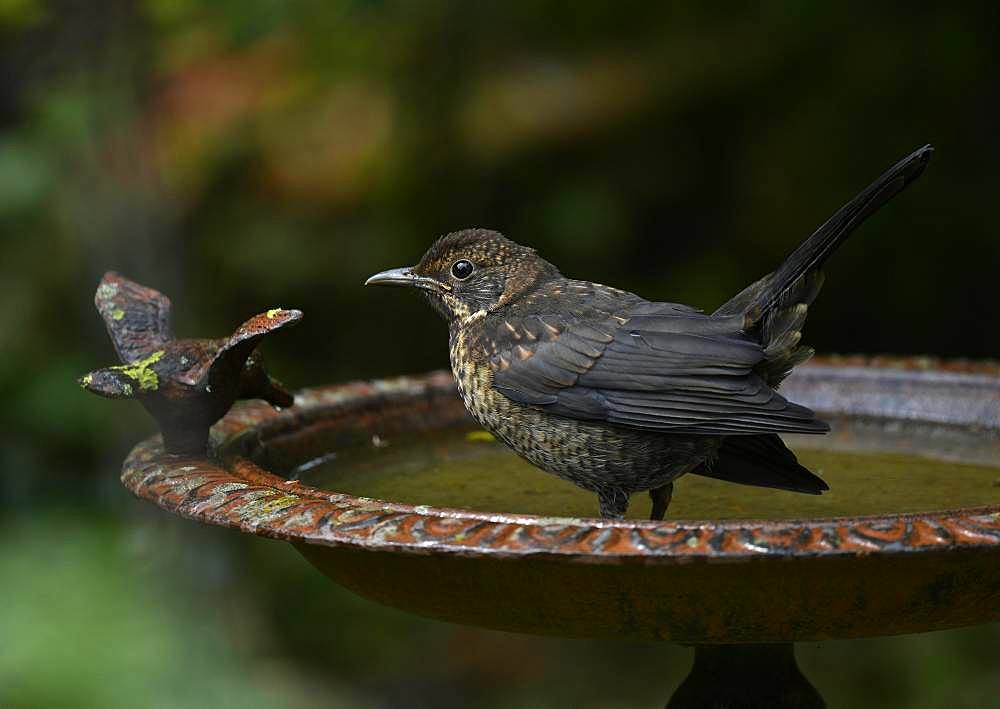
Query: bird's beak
column 402, row 277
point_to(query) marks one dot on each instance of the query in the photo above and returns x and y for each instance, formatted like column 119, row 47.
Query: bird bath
column 906, row 541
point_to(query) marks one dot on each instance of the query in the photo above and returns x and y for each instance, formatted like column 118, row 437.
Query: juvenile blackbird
column 618, row 394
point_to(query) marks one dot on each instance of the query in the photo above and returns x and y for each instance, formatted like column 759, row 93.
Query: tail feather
column 762, row 461
column 757, row 299
column 814, row 251
column 775, row 307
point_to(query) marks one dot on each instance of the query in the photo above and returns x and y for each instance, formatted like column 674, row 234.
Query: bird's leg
column 613, row 502
column 661, row 500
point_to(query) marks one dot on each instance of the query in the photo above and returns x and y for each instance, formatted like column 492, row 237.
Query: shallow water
column 462, row 468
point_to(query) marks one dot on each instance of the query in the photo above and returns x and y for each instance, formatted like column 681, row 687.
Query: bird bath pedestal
column 740, row 590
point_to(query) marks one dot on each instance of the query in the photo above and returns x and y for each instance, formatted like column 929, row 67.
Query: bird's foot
column 661, row 497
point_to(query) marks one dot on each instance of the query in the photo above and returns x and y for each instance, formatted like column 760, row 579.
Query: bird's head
column 469, row 271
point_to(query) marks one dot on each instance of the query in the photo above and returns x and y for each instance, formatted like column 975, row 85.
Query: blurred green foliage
column 242, row 155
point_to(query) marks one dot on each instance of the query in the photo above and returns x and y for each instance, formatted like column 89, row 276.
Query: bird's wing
column 651, row 366
column 137, row 318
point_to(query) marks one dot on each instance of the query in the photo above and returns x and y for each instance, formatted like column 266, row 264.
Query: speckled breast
column 595, row 456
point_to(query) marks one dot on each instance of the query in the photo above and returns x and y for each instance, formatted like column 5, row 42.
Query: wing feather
column 649, row 366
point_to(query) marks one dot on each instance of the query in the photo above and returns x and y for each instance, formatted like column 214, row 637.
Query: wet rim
column 230, row 490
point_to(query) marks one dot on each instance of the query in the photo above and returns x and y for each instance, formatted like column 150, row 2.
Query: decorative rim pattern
column 240, row 494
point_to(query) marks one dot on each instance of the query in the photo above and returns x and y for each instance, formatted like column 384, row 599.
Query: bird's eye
column 462, row 269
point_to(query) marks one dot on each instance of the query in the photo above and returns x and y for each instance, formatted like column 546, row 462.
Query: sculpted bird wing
column 233, row 353
column 137, row 318
column 651, row 366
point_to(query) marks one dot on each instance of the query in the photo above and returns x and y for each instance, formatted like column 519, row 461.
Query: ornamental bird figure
column 618, row 394
column 186, row 385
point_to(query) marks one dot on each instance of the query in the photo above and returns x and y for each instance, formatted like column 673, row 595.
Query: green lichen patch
column 117, row 314
column 86, row 380
column 260, row 506
column 142, row 373
column 276, row 504
column 273, row 313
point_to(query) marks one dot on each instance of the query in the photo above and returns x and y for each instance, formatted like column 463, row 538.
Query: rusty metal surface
column 186, row 385
column 242, row 494
column 694, row 581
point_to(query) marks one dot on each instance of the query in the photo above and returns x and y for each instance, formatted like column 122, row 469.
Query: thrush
column 186, row 385
column 618, row 394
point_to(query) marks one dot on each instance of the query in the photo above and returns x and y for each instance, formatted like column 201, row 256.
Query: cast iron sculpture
column 617, row 394
column 186, row 385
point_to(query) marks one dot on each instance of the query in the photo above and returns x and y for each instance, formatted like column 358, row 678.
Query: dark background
column 245, row 154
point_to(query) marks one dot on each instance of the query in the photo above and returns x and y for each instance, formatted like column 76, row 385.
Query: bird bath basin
column 906, row 541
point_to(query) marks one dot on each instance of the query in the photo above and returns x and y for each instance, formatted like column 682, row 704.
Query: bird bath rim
column 229, row 489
